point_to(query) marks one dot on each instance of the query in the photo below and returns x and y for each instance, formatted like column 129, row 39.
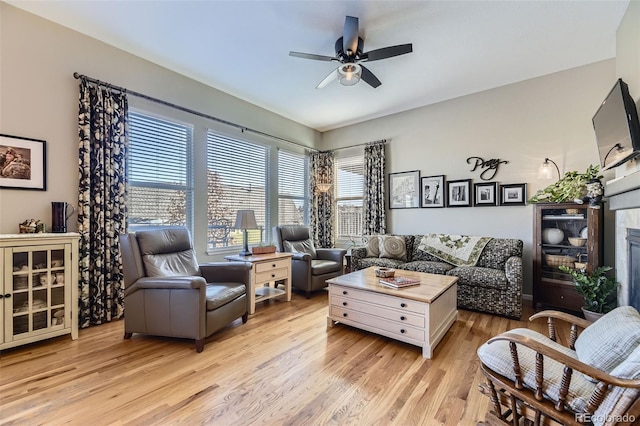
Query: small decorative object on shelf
column 32, row 226
column 263, row 249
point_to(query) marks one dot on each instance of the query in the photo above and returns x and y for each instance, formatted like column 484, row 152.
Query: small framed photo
column 485, row 194
column 459, row 193
column 433, row 191
column 514, row 194
column 404, row 190
column 23, row 163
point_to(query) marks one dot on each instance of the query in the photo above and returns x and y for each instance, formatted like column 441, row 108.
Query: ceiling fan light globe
column 349, row 74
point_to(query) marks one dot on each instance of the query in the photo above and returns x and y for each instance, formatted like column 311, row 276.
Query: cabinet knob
column 273, row 275
column 344, row 315
column 344, row 292
column 273, row 265
column 344, row 303
column 561, row 297
column 402, row 330
column 7, row 296
column 403, row 305
column 402, row 318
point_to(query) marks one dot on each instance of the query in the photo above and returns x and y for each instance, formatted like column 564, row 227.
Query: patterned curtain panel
column 322, row 202
column 374, row 220
column 102, row 128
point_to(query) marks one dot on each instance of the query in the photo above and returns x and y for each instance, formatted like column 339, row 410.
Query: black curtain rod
column 360, row 144
column 190, row 111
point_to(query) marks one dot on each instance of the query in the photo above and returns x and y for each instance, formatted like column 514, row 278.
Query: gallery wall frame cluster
column 408, row 190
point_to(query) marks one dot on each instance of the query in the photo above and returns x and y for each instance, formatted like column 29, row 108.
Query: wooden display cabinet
column 559, row 229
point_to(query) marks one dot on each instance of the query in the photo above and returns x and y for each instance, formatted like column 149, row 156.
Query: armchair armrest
column 306, row 257
column 577, row 324
column 337, row 255
column 513, row 270
column 238, row 272
column 357, row 253
column 165, row 283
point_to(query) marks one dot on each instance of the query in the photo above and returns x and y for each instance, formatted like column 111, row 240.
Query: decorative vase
column 552, row 235
column 591, row 316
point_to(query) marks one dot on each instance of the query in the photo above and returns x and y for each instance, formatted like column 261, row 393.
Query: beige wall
column 522, row 123
column 39, row 98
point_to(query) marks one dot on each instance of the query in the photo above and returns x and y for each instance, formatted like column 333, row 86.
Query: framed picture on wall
column 485, row 194
column 513, row 195
column 459, row 193
column 433, row 192
column 404, row 190
column 23, row 163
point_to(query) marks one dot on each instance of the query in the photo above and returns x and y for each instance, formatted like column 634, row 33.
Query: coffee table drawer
column 400, row 330
column 272, row 275
column 396, row 302
column 269, row 266
column 398, row 316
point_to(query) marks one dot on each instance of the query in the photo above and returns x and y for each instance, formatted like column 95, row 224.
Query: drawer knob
column 344, row 315
column 8, row 295
column 402, row 330
column 561, row 297
column 344, row 303
column 273, row 265
column 273, row 275
column 402, row 318
column 344, row 292
column 403, row 305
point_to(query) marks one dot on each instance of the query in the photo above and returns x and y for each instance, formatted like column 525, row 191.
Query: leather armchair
column 168, row 294
column 310, row 266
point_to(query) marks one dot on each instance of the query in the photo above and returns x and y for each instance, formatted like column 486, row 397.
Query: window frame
column 347, row 240
column 305, row 198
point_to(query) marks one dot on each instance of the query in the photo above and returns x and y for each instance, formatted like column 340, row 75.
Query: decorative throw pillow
column 392, row 247
column 303, row 246
column 610, row 340
column 371, row 243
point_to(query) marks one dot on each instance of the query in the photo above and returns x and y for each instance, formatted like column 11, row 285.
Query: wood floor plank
column 283, row 367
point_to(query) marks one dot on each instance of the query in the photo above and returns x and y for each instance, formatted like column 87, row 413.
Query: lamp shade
column 349, row 74
column 545, row 171
column 246, row 219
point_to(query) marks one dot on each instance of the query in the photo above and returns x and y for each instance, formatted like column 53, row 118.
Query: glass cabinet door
column 564, row 238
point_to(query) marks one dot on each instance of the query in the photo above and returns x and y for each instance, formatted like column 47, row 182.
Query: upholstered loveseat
column 493, row 283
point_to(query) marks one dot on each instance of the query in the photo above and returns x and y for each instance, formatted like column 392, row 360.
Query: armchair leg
column 199, row 345
column 307, row 294
column 245, row 317
column 128, row 335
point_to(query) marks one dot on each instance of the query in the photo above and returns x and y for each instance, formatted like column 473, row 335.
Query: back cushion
column 167, row 252
column 609, row 341
column 392, row 247
column 497, row 251
column 304, row 246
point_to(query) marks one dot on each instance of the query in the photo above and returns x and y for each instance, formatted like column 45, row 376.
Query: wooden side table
column 265, row 270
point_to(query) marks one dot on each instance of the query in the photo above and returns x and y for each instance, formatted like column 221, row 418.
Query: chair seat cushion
column 497, row 357
column 428, row 267
column 609, row 341
column 219, row 294
column 321, row 267
column 482, row 277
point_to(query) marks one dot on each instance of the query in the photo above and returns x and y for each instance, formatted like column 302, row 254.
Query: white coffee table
column 419, row 315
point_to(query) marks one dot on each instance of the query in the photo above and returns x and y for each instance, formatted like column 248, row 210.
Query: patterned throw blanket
column 459, row 250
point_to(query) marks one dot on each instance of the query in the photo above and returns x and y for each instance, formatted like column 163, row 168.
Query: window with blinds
column 159, row 172
column 237, row 180
column 293, row 205
column 349, row 184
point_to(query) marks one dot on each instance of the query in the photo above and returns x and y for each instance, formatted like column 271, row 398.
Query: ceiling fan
column 349, row 52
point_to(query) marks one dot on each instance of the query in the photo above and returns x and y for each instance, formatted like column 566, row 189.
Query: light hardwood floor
column 281, row 368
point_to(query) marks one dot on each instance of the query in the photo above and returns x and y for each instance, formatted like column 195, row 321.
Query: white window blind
column 292, row 188
column 349, row 184
column 237, row 180
column 159, row 172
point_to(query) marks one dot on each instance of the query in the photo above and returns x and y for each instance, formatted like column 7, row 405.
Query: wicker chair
column 534, row 380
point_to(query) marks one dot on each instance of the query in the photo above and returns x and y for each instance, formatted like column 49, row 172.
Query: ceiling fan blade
column 350, row 35
column 388, row 52
column 312, row 56
column 369, row 78
column 333, row 75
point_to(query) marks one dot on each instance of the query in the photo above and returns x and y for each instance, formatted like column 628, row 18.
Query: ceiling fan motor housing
column 345, row 56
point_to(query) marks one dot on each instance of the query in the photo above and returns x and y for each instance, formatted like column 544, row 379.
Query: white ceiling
column 241, row 47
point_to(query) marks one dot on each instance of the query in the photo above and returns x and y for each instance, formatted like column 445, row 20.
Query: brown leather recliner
column 310, row 266
column 168, row 294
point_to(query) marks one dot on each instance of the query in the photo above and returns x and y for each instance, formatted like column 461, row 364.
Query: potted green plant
column 572, row 186
column 596, row 287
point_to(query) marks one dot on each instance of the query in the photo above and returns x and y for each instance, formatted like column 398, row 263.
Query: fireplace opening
column 633, row 248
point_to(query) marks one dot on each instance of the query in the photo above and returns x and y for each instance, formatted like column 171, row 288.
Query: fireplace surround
column 633, row 245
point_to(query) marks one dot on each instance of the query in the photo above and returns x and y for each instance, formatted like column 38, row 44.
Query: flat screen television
column 617, row 127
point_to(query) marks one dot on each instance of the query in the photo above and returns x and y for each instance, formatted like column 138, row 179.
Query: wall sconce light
column 245, row 219
column 545, row 171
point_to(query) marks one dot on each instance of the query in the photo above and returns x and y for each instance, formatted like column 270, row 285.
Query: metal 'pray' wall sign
column 490, row 166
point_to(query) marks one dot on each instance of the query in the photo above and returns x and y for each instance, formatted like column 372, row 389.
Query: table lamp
column 245, row 219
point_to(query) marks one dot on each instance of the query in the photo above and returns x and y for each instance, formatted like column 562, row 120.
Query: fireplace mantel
column 624, row 193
